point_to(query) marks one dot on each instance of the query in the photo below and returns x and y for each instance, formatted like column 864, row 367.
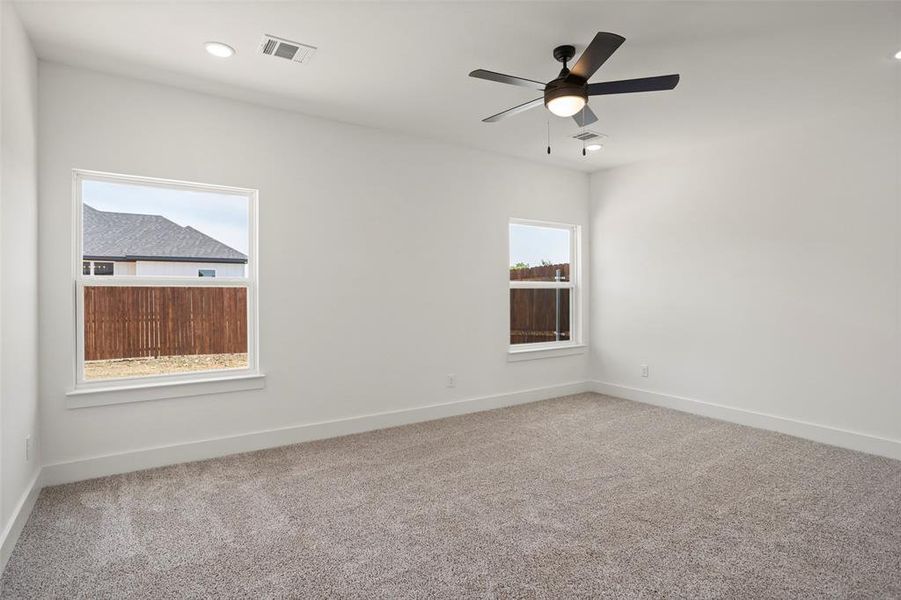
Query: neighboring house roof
column 126, row 236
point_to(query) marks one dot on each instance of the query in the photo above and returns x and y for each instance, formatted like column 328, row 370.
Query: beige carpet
column 584, row 496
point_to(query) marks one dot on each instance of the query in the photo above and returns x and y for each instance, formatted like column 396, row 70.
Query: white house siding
column 123, row 268
column 184, row 269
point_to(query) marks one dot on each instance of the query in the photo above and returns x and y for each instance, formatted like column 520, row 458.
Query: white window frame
column 575, row 344
column 113, row 391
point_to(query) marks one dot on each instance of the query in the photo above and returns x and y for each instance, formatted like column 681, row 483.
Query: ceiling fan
column 567, row 95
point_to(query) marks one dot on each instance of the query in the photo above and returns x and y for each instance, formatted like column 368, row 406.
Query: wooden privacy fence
column 131, row 321
column 540, row 273
column 534, row 312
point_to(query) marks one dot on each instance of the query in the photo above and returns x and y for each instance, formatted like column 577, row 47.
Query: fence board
column 130, row 322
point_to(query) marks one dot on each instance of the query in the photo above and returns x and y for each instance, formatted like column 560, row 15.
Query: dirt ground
column 135, row 367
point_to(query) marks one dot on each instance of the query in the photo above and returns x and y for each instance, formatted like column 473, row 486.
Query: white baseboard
column 17, row 520
column 843, row 438
column 100, row 466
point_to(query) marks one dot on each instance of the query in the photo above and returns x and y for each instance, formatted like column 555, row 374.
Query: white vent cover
column 587, row 134
column 281, row 48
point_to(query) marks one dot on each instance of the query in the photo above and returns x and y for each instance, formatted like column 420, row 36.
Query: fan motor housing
column 563, row 87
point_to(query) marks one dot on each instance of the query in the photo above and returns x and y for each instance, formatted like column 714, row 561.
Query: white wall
column 124, row 268
column 761, row 274
column 18, row 263
column 181, row 269
column 383, row 258
column 185, row 269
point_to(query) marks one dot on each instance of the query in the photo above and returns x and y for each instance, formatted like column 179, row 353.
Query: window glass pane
column 136, row 331
column 151, row 230
column 539, row 316
column 103, row 268
column 539, row 253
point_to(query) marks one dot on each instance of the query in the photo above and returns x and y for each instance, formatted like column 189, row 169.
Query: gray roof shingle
column 127, row 236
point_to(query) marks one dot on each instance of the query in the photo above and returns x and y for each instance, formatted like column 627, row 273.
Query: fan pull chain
column 548, row 136
column 583, row 129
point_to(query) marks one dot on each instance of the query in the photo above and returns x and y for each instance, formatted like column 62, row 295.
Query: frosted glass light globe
column 566, row 106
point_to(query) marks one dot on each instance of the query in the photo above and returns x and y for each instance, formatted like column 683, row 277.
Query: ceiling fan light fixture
column 566, row 106
column 593, row 147
column 567, row 95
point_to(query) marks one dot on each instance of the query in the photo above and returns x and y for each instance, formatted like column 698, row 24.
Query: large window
column 165, row 276
column 544, row 275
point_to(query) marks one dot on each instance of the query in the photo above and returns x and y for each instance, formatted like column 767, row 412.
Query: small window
column 97, row 268
column 156, row 315
column 103, row 268
column 543, row 284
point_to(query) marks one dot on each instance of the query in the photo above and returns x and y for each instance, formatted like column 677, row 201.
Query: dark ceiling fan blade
column 585, row 117
column 628, row 86
column 596, row 54
column 509, row 79
column 515, row 110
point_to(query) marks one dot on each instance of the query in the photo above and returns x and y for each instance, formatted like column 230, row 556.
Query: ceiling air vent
column 275, row 46
column 587, row 134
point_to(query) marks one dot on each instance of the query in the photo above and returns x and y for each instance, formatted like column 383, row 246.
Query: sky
column 531, row 244
column 220, row 216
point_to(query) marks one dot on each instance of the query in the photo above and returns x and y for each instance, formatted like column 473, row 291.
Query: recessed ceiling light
column 898, row 54
column 219, row 50
column 593, row 147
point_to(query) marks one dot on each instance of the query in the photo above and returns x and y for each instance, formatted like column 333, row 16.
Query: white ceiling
column 746, row 66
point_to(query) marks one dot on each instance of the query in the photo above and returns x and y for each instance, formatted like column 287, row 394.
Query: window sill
column 122, row 394
column 519, row 354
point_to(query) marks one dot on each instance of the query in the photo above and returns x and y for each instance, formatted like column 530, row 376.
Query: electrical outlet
column 644, row 370
column 27, row 447
column 451, row 380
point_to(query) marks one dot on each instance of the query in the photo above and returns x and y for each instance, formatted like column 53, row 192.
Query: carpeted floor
column 584, row 496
